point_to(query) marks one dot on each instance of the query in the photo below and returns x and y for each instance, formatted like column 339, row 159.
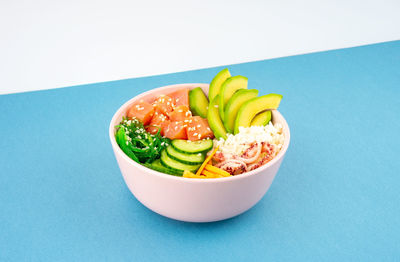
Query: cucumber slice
column 157, row 166
column 176, row 165
column 191, row 159
column 192, row 147
column 198, row 102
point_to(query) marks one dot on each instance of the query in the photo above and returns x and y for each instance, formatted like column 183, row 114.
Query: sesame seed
column 168, row 103
column 208, row 129
column 177, row 100
column 176, row 127
column 199, row 136
column 195, row 134
column 198, row 125
column 180, row 110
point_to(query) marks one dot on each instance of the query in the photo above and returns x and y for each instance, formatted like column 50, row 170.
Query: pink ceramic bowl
column 188, row 199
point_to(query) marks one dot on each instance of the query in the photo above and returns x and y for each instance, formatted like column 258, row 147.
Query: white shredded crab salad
column 251, row 148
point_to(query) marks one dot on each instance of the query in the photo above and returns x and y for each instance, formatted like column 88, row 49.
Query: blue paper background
column 335, row 198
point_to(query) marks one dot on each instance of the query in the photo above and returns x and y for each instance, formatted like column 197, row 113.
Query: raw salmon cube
column 180, row 113
column 153, row 129
column 181, row 97
column 142, row 111
column 164, row 104
column 156, row 123
column 198, row 128
column 176, row 130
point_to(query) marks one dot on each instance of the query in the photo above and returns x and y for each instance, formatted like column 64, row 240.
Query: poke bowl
column 183, row 196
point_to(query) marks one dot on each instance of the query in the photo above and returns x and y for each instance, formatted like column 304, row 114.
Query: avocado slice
column 228, row 88
column 261, row 119
column 198, row 102
column 232, row 107
column 214, row 120
column 254, row 106
column 216, row 83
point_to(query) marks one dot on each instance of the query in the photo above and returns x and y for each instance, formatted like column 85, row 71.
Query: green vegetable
column 176, row 165
column 186, row 158
column 214, row 119
column 261, row 119
column 139, row 144
column 192, row 147
column 157, row 166
column 198, row 102
column 123, row 142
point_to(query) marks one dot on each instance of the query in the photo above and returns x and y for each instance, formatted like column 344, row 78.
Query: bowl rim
column 131, row 162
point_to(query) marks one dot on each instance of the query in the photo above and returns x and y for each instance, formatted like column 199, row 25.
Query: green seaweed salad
column 140, row 145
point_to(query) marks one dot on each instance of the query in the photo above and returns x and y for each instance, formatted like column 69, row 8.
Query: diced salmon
column 142, row 111
column 198, row 128
column 164, row 104
column 164, row 126
column 153, row 129
column 176, row 130
column 181, row 96
column 156, row 123
column 180, row 113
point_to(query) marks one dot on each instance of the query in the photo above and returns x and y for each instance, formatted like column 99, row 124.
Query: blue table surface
column 335, row 198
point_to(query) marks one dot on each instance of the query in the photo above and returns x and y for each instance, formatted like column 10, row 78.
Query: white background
column 49, row 44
